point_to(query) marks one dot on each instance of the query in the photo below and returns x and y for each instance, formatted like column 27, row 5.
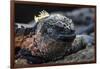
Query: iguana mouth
column 66, row 38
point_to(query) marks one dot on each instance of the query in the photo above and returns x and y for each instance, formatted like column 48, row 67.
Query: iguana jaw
column 68, row 38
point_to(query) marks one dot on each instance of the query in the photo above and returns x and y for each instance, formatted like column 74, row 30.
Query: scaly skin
column 54, row 38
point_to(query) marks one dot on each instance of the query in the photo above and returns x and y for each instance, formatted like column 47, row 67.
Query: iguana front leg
column 77, row 45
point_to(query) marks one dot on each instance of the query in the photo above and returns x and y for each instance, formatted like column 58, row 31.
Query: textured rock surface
column 85, row 55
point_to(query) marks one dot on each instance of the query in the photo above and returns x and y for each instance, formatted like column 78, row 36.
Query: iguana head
column 56, row 26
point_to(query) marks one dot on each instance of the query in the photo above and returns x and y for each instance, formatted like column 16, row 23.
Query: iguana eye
column 61, row 24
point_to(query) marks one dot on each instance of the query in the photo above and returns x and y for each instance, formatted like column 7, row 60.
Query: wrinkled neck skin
column 49, row 48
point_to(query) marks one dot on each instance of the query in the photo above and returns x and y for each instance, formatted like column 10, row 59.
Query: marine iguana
column 53, row 39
